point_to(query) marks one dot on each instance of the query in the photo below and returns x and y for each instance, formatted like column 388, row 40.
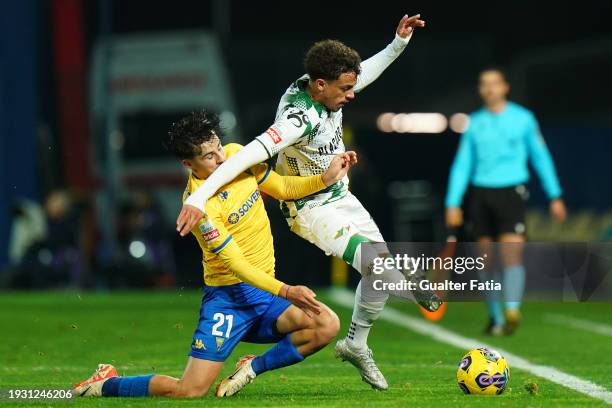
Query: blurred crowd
column 56, row 243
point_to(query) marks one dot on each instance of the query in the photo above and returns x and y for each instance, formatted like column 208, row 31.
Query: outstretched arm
column 375, row 65
column 290, row 127
column 294, row 187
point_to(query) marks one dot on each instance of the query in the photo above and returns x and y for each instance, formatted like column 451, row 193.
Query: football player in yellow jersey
column 243, row 301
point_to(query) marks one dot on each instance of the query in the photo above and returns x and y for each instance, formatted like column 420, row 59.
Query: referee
column 492, row 159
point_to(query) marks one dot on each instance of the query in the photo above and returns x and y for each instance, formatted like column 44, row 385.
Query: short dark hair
column 495, row 68
column 185, row 136
column 328, row 59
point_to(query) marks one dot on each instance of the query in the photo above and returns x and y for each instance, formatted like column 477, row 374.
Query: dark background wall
column 558, row 55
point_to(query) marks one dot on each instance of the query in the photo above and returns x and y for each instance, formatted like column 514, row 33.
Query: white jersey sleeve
column 291, row 125
column 375, row 65
column 245, row 158
column 296, row 120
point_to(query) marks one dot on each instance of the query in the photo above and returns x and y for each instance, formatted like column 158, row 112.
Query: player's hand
column 454, row 217
column 187, row 219
column 407, row 25
column 302, row 297
column 339, row 167
column 558, row 212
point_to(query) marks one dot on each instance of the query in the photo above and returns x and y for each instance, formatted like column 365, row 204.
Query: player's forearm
column 460, row 172
column 233, row 258
column 375, row 65
column 544, row 166
column 542, row 161
column 248, row 273
column 457, row 185
column 292, row 187
column 550, row 181
column 248, row 156
column 454, row 197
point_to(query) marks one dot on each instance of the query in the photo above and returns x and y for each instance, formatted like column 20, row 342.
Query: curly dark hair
column 328, row 59
column 185, row 136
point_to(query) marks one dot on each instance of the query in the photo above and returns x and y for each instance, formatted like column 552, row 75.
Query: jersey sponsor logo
column 211, row 235
column 244, row 208
column 274, row 135
column 331, row 147
column 223, row 195
column 208, row 231
column 206, row 227
column 233, row 218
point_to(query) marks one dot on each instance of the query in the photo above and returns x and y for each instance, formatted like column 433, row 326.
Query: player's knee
column 328, row 326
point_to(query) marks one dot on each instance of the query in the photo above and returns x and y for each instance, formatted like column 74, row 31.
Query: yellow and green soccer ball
column 483, row 372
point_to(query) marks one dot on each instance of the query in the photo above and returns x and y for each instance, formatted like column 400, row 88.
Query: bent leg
column 308, row 335
column 196, row 380
column 336, row 229
column 303, row 336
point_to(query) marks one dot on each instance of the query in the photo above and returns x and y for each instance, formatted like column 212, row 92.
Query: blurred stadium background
column 89, row 197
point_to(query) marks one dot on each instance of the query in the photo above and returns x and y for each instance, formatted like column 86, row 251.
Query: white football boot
column 243, row 375
column 92, row 387
column 363, row 362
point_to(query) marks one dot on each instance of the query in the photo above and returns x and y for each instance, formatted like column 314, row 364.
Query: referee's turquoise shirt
column 493, row 153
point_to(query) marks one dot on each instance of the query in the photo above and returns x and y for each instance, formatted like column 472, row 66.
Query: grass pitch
column 51, row 340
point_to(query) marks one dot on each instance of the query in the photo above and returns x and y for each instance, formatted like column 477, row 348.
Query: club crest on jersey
column 274, row 135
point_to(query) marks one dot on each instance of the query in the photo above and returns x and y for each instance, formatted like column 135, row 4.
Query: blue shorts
column 234, row 313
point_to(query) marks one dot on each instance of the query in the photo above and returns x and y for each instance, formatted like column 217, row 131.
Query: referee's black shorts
column 495, row 211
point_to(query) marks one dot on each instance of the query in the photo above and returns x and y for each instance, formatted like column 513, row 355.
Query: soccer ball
column 483, row 371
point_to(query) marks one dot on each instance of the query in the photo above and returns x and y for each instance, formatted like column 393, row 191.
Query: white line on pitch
column 582, row 324
column 346, row 298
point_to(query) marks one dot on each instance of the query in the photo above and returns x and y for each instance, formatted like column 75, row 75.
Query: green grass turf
column 578, row 352
column 50, row 340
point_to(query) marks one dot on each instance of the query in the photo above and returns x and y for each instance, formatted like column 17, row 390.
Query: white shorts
column 331, row 226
